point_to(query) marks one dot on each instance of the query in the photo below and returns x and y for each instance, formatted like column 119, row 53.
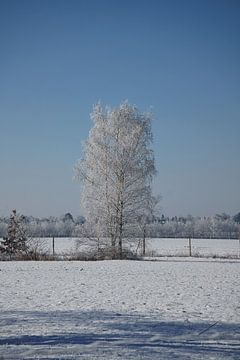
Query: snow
column 167, row 309
column 61, row 245
column 199, row 247
column 157, row 247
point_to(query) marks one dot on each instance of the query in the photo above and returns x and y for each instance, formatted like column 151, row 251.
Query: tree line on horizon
column 217, row 226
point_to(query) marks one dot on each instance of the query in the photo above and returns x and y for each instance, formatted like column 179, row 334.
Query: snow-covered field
column 154, row 247
column 158, row 247
column 199, row 247
column 171, row 309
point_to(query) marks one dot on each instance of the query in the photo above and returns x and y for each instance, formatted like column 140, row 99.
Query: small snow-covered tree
column 116, row 170
column 15, row 243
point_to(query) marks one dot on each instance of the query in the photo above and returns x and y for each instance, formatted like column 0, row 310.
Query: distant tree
column 15, row 243
column 3, row 228
column 79, row 220
column 236, row 218
column 116, row 170
column 222, row 217
column 67, row 217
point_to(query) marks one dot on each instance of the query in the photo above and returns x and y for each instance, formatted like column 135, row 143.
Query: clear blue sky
column 181, row 58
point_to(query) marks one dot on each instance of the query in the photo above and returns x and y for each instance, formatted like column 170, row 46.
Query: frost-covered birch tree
column 116, row 171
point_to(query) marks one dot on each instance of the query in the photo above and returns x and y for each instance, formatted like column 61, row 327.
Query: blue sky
column 179, row 58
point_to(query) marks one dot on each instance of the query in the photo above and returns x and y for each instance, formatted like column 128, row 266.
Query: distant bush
column 105, row 253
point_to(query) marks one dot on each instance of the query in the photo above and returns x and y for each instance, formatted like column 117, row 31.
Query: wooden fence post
column 53, row 246
column 144, row 242
column 190, row 246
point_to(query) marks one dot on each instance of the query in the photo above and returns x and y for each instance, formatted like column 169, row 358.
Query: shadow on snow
column 141, row 334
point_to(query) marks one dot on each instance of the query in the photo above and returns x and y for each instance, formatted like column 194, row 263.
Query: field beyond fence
column 155, row 247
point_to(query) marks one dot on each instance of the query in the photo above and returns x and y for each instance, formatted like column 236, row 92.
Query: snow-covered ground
column 167, row 309
column 199, row 247
column 61, row 245
column 156, row 247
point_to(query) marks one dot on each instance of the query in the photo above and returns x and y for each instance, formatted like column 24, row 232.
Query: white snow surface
column 199, row 247
column 171, row 309
column 154, row 247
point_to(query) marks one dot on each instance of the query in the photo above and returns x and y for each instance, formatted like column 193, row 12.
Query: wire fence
column 150, row 247
column 193, row 247
column 154, row 247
